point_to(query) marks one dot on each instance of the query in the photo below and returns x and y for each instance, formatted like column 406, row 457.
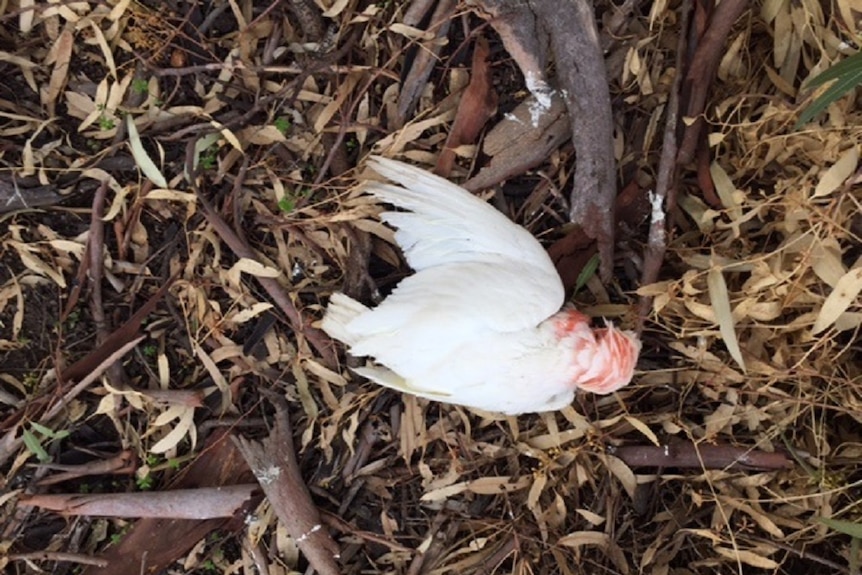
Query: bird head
column 616, row 353
column 604, row 358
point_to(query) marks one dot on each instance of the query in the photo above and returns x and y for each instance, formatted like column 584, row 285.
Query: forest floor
column 179, row 186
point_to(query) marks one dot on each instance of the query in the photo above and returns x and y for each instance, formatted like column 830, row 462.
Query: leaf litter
column 736, row 449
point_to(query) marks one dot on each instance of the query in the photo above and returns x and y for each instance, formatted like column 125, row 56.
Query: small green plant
column 35, row 437
column 31, row 380
column 140, row 86
column 208, row 158
column 72, row 319
column 106, row 123
column 351, row 144
column 288, row 202
column 282, row 124
column 847, row 74
column 145, row 482
column 115, row 538
column 150, row 350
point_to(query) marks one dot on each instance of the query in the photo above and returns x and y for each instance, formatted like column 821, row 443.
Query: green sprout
column 140, row 86
column 282, row 124
column 106, row 123
column 31, row 380
column 72, row 319
column 208, row 158
column 288, row 202
column 34, row 439
column 145, row 482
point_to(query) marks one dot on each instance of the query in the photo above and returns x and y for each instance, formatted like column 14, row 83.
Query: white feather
column 472, row 325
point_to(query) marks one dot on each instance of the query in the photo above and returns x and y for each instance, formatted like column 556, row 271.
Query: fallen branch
column 583, row 80
column 273, row 462
column 663, row 198
column 702, row 69
column 692, row 455
column 150, row 545
column 202, row 503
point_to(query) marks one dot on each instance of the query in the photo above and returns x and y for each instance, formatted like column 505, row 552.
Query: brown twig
column 78, row 558
column 663, row 196
column 95, row 246
column 121, row 464
column 273, row 462
column 692, row 455
column 702, row 68
column 423, row 63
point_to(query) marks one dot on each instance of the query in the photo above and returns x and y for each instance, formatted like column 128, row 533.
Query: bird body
column 479, row 322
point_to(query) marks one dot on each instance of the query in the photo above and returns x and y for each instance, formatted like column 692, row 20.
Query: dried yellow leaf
column 185, row 426
column 748, row 557
column 720, row 301
column 838, row 173
column 846, row 292
column 623, row 472
column 643, row 428
column 142, row 158
column 255, row 268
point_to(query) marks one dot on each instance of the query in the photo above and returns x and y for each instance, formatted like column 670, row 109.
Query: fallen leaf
column 720, row 301
column 846, row 292
column 837, row 173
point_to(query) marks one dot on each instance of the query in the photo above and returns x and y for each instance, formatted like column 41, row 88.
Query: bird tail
column 340, row 312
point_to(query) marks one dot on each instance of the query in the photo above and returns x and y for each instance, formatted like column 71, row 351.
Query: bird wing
column 482, row 254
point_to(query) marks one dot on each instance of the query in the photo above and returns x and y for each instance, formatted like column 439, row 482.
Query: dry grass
column 752, row 341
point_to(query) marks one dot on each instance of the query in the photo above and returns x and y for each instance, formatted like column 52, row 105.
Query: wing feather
column 444, row 223
column 445, row 226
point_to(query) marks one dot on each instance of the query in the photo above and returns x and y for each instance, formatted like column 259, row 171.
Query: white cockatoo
column 479, row 322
